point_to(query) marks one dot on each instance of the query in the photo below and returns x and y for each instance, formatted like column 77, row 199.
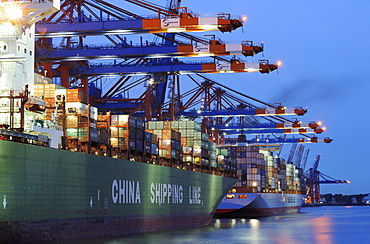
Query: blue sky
column 325, row 50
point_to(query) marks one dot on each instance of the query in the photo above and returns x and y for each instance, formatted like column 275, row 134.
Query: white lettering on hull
column 126, row 191
column 166, row 194
column 194, row 195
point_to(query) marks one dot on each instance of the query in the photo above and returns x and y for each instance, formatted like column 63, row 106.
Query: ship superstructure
column 17, row 49
column 17, row 58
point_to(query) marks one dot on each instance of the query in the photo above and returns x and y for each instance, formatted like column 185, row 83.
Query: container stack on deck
column 128, row 139
column 169, row 144
column 259, row 171
column 251, row 167
column 196, row 152
column 294, row 179
column 72, row 111
column 179, row 144
column 282, row 175
column 226, row 159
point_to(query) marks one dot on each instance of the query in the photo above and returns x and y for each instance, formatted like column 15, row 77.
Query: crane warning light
column 323, row 128
column 278, row 63
column 319, row 123
column 244, row 18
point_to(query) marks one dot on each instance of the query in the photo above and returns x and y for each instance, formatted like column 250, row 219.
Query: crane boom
column 305, row 157
column 171, row 68
column 291, row 153
column 142, row 50
column 298, row 156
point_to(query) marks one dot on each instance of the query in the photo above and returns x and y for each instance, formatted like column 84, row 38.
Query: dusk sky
column 325, row 50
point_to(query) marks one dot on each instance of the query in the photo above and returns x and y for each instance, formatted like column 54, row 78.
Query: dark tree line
column 357, row 199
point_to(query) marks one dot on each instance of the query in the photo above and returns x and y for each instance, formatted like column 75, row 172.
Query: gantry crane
column 221, row 116
column 171, row 68
column 154, row 60
column 159, row 66
column 146, row 49
column 314, row 179
column 90, row 18
column 110, row 19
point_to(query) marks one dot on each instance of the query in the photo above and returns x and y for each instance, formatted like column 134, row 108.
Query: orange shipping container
column 50, row 102
column 76, row 122
column 76, row 95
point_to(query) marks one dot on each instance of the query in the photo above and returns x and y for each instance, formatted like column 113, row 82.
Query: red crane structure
column 314, row 179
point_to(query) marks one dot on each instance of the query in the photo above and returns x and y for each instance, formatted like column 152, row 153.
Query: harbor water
column 324, row 225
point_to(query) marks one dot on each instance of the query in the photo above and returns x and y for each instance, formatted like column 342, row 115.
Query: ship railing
column 122, row 45
column 175, row 62
column 130, row 18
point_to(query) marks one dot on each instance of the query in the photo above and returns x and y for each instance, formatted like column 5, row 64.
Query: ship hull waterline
column 259, row 205
column 51, row 195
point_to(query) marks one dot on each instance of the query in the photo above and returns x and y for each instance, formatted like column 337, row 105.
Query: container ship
column 267, row 185
column 69, row 171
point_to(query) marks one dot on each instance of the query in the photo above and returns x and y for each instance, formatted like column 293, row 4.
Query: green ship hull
column 50, row 195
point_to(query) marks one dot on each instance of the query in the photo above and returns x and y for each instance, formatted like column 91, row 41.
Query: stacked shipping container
column 226, row 158
column 180, row 142
column 250, row 167
column 128, row 138
column 260, row 171
column 193, row 148
column 80, row 117
column 168, row 143
column 127, row 133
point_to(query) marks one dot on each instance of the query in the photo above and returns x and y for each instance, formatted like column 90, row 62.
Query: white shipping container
column 270, row 163
column 59, row 93
column 76, row 107
column 93, row 112
column 159, row 125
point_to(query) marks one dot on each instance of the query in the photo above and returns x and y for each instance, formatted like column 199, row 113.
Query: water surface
column 324, row 225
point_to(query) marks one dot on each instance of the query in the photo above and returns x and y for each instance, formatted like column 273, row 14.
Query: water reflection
column 224, row 223
column 254, row 223
column 324, row 225
column 322, row 230
column 254, row 233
